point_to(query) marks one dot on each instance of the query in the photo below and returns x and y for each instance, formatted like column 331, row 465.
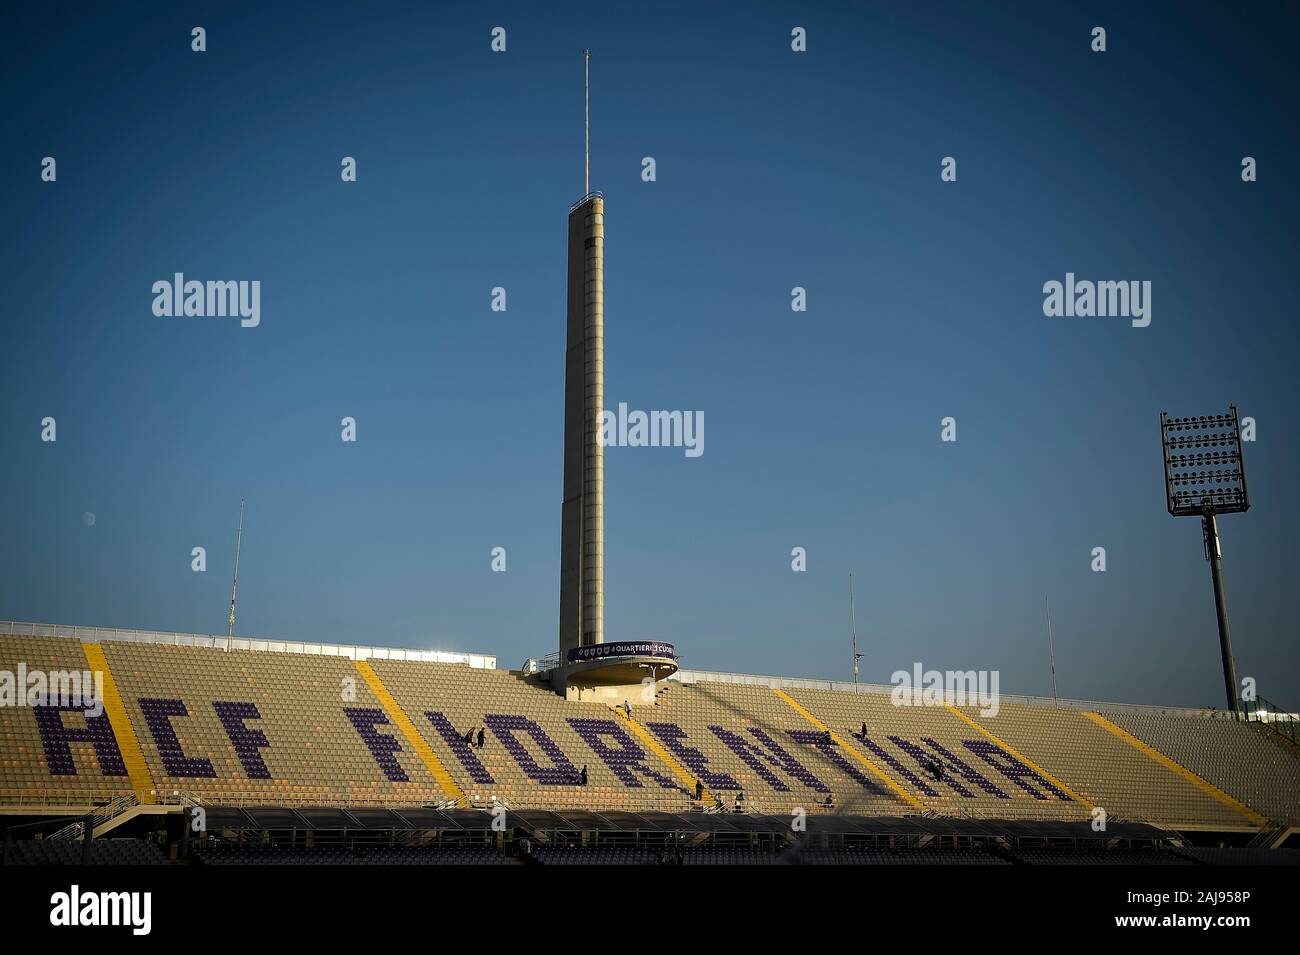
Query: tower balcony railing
column 594, row 194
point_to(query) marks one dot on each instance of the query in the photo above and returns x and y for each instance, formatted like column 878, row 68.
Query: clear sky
column 774, row 170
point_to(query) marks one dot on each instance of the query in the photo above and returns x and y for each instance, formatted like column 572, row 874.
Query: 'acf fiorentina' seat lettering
column 942, row 757
column 158, row 714
column 56, row 737
column 893, row 763
column 1012, row 768
column 776, row 766
column 753, row 755
column 464, row 752
column 1006, row 764
column 671, row 735
column 381, row 745
column 611, row 744
column 626, row 761
column 271, row 728
column 561, row 773
column 827, row 746
column 247, row 741
column 773, row 753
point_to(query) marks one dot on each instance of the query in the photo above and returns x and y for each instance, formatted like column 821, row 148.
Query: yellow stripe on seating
column 417, row 742
column 127, row 742
column 1211, row 790
column 668, row 759
column 884, row 777
column 1020, row 756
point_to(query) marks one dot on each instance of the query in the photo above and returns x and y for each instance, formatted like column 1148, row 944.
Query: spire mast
column 1051, row 644
column 853, row 621
column 586, row 78
column 234, row 585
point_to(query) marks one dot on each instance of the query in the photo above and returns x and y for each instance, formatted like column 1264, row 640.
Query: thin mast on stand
column 234, row 585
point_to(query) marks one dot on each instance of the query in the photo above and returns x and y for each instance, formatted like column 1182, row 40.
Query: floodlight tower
column 1205, row 475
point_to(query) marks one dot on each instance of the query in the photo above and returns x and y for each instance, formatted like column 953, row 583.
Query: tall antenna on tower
column 586, row 82
column 234, row 586
column 853, row 621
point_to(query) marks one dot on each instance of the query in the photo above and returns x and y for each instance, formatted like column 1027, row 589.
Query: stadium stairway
column 128, row 743
column 399, row 716
column 647, row 739
column 1285, row 741
column 854, row 753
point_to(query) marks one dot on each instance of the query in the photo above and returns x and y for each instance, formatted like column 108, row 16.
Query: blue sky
column 775, row 170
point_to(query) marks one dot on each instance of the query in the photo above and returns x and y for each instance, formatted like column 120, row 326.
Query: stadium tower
column 582, row 531
column 582, row 524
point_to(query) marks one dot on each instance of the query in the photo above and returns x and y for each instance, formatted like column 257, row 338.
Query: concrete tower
column 582, row 533
column 582, row 530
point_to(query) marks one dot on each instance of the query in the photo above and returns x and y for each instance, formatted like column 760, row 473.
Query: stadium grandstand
column 279, row 753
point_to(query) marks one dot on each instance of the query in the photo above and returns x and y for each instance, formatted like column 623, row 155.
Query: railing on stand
column 75, row 831
column 1286, row 724
column 541, row 664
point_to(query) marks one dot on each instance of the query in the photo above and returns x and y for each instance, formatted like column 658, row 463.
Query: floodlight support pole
column 1210, row 528
column 1206, row 484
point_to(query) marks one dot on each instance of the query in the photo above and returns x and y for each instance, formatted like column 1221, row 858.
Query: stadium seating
column 922, row 856
column 568, row 855
column 1207, row 855
column 414, row 855
column 292, row 729
column 536, row 743
column 1072, row 856
column 1106, row 770
column 102, row 852
column 312, row 718
column 906, row 741
column 49, row 754
column 144, row 852
column 745, row 738
column 1218, row 749
column 723, row 857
